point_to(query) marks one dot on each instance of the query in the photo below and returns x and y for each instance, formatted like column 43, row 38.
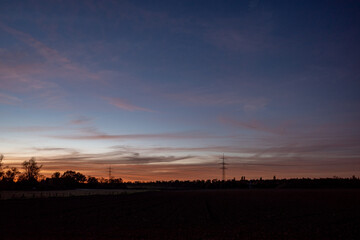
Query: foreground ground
column 7, row 195
column 216, row 214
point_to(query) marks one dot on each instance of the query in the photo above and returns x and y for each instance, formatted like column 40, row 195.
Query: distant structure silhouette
column 223, row 166
column 109, row 172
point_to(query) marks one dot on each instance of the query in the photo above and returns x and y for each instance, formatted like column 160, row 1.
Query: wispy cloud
column 217, row 149
column 207, row 98
column 80, row 120
column 50, row 54
column 11, row 100
column 27, row 79
column 51, row 149
column 32, row 80
column 24, row 129
column 250, row 33
column 157, row 166
column 36, row 78
column 252, row 125
column 113, row 157
column 310, row 157
column 104, row 136
column 122, row 104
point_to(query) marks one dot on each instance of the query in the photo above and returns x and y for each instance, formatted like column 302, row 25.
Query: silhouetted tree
column 55, row 180
column 115, row 181
column 72, row 178
column 10, row 175
column 1, row 170
column 92, row 181
column 80, row 178
column 32, row 170
column 103, row 180
column 56, row 175
column 76, row 176
column 69, row 174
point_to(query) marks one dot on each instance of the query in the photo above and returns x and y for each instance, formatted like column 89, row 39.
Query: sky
column 159, row 90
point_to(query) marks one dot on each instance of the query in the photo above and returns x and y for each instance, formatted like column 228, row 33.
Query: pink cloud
column 80, row 120
column 120, row 103
column 22, row 77
column 23, row 129
column 252, row 125
column 33, row 77
column 48, row 53
column 7, row 99
column 94, row 135
column 51, row 55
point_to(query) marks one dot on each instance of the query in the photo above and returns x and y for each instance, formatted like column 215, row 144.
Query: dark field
column 215, row 214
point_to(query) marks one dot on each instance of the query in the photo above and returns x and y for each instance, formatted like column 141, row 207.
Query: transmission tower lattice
column 223, row 168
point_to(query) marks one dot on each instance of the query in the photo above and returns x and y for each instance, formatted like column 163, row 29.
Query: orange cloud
column 313, row 158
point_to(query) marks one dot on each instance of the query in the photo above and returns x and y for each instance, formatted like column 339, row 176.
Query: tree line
column 30, row 178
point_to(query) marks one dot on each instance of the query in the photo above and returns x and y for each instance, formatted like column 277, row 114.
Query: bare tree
column 32, row 170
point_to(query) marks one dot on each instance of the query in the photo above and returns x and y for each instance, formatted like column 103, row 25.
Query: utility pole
column 223, row 167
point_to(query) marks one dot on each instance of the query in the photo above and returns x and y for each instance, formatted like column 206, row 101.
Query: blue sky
column 161, row 89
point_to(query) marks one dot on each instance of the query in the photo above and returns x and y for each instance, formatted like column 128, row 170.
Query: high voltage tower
column 223, row 166
column 109, row 172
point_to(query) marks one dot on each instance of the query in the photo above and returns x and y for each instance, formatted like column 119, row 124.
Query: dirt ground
column 207, row 214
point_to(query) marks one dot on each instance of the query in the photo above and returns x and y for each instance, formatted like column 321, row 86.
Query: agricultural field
column 201, row 214
column 7, row 195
